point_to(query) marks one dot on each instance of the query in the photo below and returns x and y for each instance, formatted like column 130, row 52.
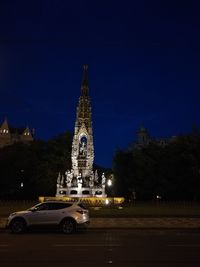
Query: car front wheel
column 17, row 226
column 68, row 226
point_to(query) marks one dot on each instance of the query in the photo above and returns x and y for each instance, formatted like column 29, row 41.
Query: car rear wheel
column 17, row 226
column 68, row 226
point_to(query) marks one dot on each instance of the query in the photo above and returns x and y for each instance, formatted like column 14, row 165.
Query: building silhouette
column 144, row 139
column 10, row 135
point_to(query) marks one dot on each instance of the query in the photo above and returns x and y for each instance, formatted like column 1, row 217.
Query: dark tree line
column 30, row 170
column 171, row 172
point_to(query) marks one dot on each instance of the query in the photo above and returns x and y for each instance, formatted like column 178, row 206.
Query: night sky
column 144, row 67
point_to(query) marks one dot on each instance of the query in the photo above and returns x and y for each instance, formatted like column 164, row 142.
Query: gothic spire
column 84, row 85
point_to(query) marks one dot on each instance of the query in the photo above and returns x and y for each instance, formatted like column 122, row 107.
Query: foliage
column 171, row 172
column 35, row 166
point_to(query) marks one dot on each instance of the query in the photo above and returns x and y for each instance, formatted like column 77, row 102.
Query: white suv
column 67, row 216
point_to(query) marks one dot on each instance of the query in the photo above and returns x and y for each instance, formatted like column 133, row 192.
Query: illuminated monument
column 82, row 183
column 81, row 180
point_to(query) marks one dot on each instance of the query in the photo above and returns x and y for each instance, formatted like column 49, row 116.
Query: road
column 124, row 248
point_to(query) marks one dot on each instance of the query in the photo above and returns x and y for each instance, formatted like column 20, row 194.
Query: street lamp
column 21, row 183
column 109, row 182
column 22, row 179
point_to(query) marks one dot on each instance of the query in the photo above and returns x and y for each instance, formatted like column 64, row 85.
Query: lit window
column 4, row 130
column 24, row 133
column 7, row 131
column 27, row 133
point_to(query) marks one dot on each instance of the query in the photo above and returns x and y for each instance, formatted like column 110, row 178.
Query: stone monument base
column 88, row 201
column 81, row 192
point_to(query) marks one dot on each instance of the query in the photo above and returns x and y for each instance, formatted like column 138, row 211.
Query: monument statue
column 79, row 181
column 58, row 180
column 103, row 180
column 96, row 178
column 68, row 179
column 62, row 181
column 83, row 149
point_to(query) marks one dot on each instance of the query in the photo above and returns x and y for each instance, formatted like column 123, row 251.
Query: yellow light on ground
column 89, row 201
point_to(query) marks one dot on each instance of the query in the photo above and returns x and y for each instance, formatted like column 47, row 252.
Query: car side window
column 65, row 205
column 52, row 206
column 43, row 206
column 58, row 206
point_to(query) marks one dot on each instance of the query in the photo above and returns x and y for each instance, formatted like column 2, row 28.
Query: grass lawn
column 148, row 209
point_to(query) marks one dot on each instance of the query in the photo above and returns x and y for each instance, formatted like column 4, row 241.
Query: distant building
column 9, row 135
column 144, row 139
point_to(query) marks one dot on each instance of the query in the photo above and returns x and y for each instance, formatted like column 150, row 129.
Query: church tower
column 82, row 146
column 143, row 137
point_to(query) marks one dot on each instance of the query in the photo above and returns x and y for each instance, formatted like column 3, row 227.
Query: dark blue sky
column 143, row 59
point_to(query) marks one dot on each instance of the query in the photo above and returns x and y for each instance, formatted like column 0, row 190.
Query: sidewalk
column 138, row 223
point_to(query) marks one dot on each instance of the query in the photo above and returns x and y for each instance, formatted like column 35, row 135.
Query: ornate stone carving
column 82, row 178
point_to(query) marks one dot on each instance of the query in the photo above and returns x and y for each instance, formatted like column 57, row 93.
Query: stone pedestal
column 81, row 192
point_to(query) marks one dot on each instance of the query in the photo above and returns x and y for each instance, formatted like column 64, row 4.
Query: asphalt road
column 95, row 248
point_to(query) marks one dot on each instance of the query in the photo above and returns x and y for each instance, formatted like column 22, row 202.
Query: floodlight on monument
column 107, row 202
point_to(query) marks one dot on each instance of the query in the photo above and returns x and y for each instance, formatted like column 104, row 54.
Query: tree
column 172, row 172
column 28, row 171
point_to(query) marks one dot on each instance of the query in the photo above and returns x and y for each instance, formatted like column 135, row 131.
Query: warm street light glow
column 109, row 182
column 107, row 201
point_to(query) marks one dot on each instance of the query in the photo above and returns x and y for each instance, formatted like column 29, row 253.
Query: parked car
column 66, row 216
